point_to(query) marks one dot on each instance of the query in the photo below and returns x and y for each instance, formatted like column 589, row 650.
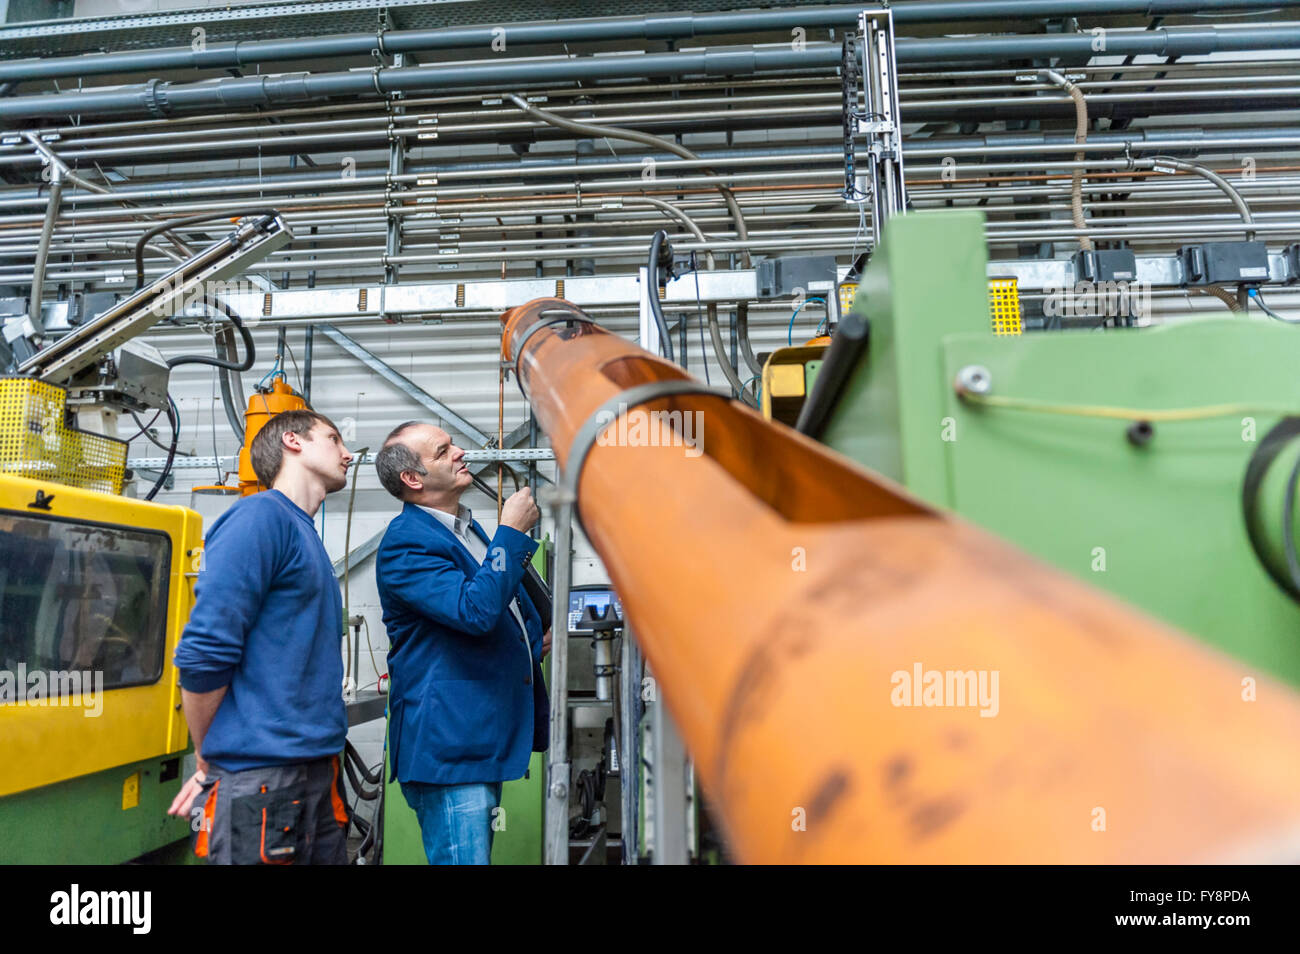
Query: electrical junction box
column 788, row 274
column 1215, row 263
column 1292, row 257
column 1105, row 265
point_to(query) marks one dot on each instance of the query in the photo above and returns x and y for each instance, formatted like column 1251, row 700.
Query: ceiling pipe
column 241, row 53
column 164, row 99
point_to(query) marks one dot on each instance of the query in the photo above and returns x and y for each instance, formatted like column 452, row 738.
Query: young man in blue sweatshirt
column 261, row 670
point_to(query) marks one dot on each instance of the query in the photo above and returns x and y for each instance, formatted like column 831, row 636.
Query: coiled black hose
column 250, row 353
column 181, row 223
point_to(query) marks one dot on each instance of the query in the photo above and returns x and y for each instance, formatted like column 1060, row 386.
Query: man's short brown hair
column 266, row 453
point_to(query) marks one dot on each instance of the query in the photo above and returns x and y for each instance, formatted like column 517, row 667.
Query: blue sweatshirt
column 267, row 623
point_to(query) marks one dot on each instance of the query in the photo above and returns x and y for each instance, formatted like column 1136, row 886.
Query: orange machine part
column 261, row 408
column 780, row 594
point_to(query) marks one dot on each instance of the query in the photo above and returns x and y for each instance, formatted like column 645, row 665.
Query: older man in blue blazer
column 467, row 704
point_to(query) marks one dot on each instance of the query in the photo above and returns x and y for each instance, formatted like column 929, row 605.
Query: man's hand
column 546, row 642
column 519, row 511
column 185, row 798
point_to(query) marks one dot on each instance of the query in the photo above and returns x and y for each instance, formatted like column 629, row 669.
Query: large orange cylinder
column 262, row 406
column 795, row 609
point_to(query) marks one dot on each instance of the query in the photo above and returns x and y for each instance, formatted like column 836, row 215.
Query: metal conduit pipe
column 219, row 56
column 262, row 91
column 458, row 172
column 632, row 135
column 944, row 192
column 742, row 307
column 43, row 250
column 1080, row 136
column 747, row 90
column 457, row 120
column 1135, row 140
column 1149, row 187
column 489, row 132
column 1209, row 174
column 471, row 193
column 1273, row 223
column 539, row 167
column 1221, row 293
column 829, row 220
column 378, row 131
column 57, row 163
column 492, row 127
column 376, row 123
column 1166, row 42
column 437, row 104
column 95, row 237
column 1120, row 142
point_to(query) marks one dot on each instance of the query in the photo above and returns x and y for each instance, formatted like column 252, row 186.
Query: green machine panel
column 105, row 818
column 1050, row 460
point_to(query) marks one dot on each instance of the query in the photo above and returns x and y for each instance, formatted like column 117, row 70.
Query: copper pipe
column 781, row 594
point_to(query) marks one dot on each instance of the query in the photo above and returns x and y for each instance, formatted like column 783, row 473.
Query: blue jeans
column 455, row 820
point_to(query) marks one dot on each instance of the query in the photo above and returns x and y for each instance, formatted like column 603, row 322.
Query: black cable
column 356, row 783
column 250, row 352
column 362, row 826
column 490, row 491
column 1288, row 526
column 585, row 784
column 371, row 776
column 230, row 384
column 658, row 247
column 174, row 417
column 143, row 427
column 849, row 344
column 1283, row 437
column 181, row 223
column 372, row 832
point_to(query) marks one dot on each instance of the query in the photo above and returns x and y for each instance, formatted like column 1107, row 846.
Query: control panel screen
column 601, row 599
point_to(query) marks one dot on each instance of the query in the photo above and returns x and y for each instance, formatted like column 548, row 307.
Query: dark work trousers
column 283, row 815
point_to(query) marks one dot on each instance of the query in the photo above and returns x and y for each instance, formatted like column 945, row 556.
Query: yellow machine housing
column 91, row 534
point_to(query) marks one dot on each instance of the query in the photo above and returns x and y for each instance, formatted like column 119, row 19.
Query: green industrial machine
column 1118, row 455
column 518, row 835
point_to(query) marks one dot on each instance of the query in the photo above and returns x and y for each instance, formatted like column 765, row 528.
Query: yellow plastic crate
column 1004, row 306
column 35, row 443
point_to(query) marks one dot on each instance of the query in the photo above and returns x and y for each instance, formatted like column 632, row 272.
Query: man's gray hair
column 395, row 457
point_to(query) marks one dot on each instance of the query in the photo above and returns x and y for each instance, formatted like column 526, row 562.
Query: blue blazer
column 467, row 702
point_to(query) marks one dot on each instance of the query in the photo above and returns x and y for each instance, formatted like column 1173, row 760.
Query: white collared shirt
column 461, row 524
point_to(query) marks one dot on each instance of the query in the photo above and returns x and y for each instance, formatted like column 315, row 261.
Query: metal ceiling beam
column 404, row 384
